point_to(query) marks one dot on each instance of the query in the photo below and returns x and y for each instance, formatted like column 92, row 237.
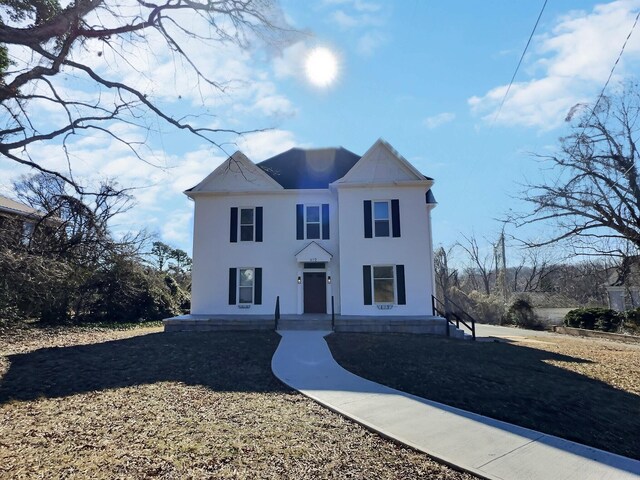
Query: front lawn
column 140, row 403
column 587, row 391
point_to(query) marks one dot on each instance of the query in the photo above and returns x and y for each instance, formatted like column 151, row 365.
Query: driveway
column 495, row 331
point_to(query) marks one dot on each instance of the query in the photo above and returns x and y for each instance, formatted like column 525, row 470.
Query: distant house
column 17, row 222
column 623, row 285
column 322, row 230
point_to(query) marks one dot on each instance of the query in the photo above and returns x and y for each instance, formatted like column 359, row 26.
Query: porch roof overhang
column 313, row 253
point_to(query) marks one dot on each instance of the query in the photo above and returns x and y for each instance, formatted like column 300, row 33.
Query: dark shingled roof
column 315, row 168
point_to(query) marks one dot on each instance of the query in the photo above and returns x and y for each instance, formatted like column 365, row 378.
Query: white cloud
column 259, row 146
column 439, row 119
column 358, row 5
column 370, row 42
column 570, row 65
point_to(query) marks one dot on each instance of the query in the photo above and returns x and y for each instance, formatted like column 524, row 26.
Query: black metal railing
column 454, row 317
column 333, row 315
column 276, row 314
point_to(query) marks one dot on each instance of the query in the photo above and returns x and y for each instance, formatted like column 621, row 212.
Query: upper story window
column 381, row 218
column 246, row 224
column 312, row 221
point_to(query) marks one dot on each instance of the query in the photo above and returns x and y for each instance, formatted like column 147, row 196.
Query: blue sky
column 427, row 76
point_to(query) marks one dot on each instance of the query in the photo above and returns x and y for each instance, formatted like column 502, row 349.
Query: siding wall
column 214, row 254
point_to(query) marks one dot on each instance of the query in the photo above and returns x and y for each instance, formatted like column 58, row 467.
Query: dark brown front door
column 315, row 292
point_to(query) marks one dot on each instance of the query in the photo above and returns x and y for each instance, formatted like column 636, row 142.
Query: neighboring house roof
column 17, row 208
column 627, row 273
column 314, row 168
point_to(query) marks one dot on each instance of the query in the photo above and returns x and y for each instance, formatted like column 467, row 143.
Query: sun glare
column 321, row 67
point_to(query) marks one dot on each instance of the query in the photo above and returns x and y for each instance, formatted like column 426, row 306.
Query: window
column 245, row 285
column 383, row 284
column 312, row 221
column 27, row 232
column 246, row 224
column 381, row 218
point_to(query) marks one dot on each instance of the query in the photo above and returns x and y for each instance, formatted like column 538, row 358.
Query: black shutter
column 257, row 287
column 395, row 217
column 367, row 220
column 300, row 221
column 258, row 224
column 402, row 296
column 366, row 284
column 232, row 286
column 233, row 225
column 325, row 221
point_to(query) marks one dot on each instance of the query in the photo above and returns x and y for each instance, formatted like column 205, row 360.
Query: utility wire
column 593, row 110
column 519, row 63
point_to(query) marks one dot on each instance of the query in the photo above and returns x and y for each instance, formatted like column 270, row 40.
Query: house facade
column 18, row 223
column 323, row 230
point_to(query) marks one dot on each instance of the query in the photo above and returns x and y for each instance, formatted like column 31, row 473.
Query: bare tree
column 591, row 195
column 536, row 265
column 446, row 277
column 42, row 41
column 481, row 264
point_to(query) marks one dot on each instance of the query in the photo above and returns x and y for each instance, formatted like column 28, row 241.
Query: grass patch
column 140, row 403
column 584, row 391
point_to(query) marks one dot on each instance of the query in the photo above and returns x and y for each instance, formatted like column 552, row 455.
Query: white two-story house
column 322, row 230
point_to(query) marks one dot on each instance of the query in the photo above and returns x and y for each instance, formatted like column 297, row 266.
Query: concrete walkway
column 478, row 444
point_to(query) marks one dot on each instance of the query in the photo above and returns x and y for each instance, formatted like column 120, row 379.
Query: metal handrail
column 447, row 314
column 333, row 315
column 276, row 314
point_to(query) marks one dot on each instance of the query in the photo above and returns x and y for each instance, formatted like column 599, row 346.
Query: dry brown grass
column 138, row 404
column 585, row 390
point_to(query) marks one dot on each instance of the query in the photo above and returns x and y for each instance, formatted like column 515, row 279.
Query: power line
column 520, row 62
column 593, row 110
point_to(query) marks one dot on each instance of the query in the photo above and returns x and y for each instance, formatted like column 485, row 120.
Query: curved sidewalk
column 483, row 446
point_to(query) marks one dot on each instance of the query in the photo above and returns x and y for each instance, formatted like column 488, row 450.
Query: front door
column 315, row 292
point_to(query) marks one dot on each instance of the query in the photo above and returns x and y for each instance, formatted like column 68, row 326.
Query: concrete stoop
column 421, row 325
column 429, row 325
column 209, row 323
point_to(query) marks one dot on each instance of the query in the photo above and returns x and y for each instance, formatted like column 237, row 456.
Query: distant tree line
column 70, row 268
column 471, row 275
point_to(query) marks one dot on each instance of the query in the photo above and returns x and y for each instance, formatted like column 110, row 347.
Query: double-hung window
column 312, row 221
column 383, row 284
column 247, row 224
column 245, row 285
column 381, row 217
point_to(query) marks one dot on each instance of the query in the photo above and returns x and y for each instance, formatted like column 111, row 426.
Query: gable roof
column 236, row 174
column 17, row 208
column 299, row 168
column 383, row 164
